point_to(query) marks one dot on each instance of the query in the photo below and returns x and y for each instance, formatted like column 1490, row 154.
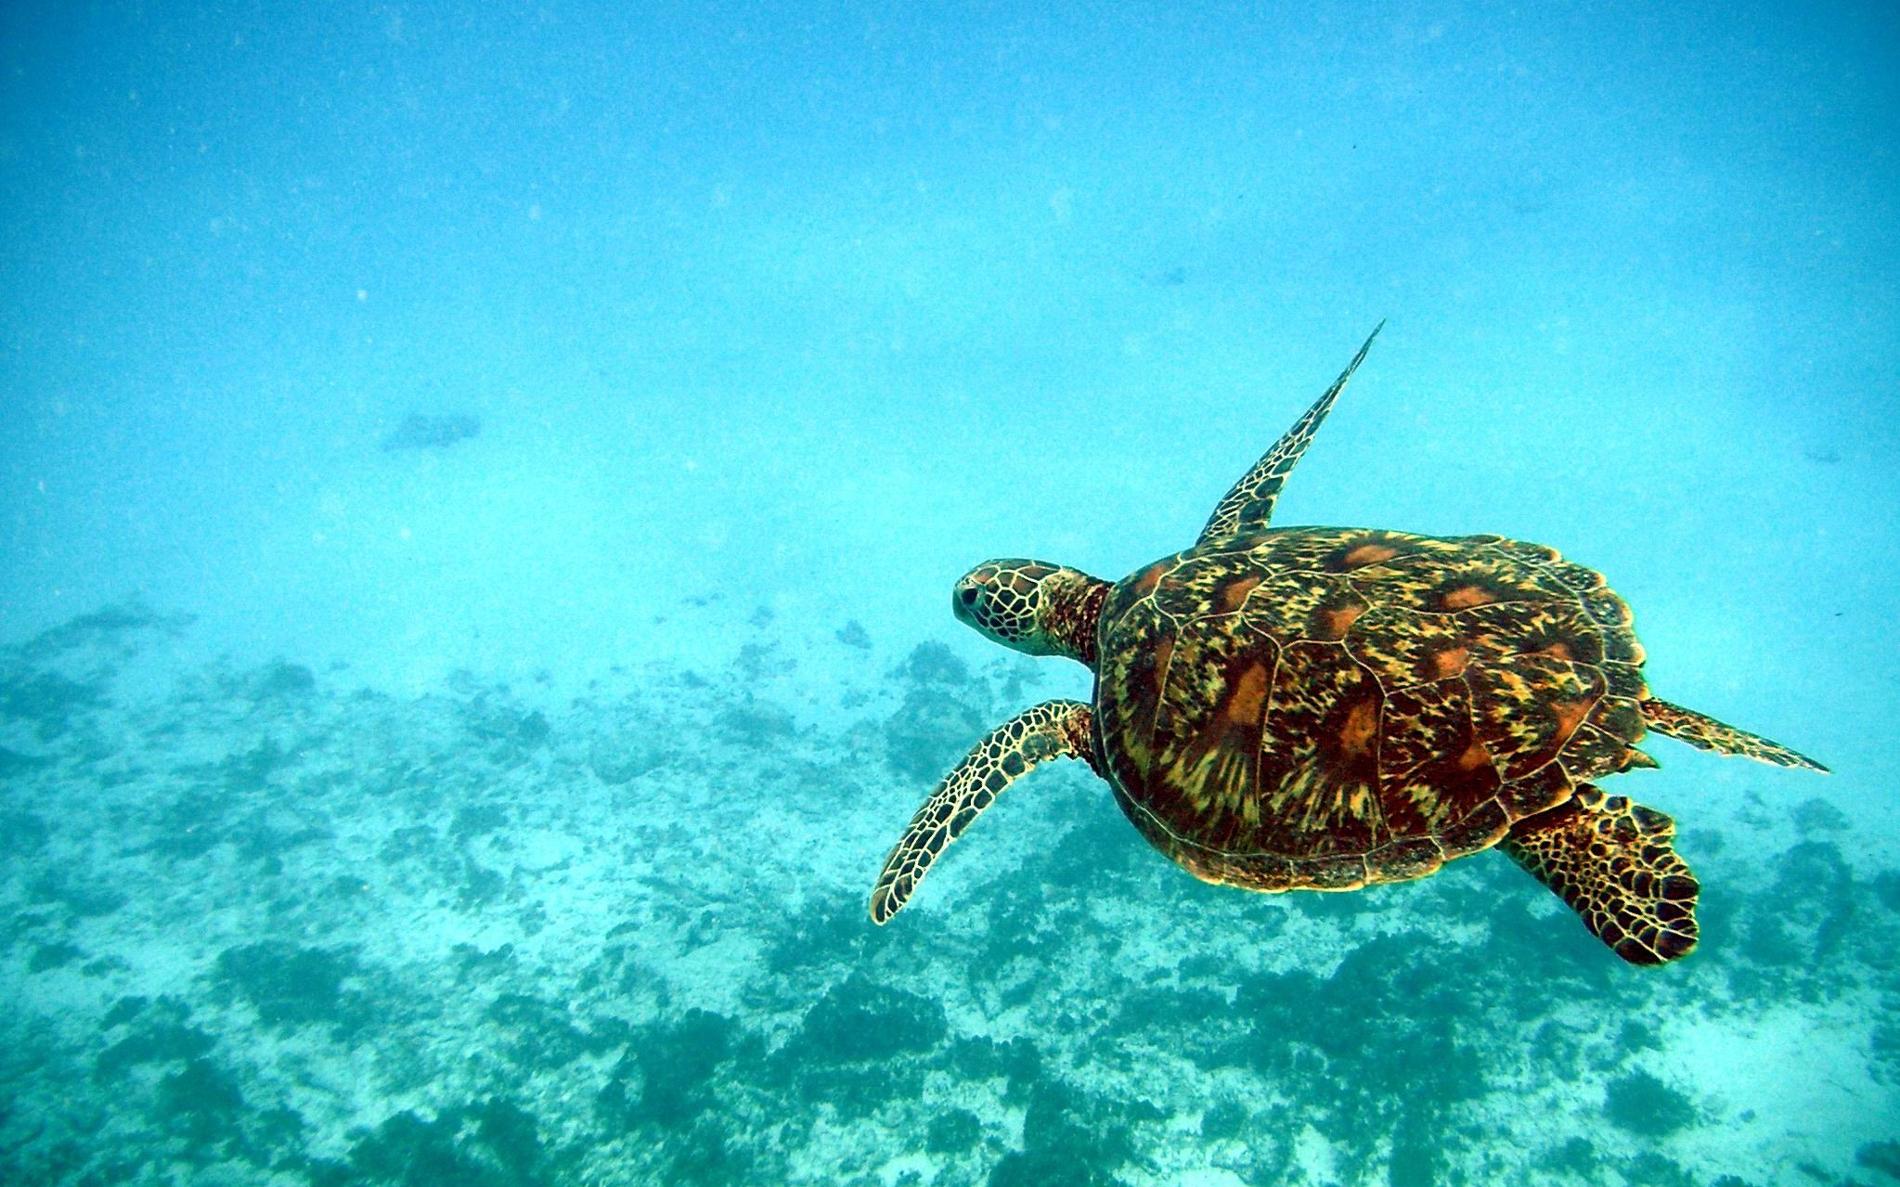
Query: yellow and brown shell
column 1330, row 707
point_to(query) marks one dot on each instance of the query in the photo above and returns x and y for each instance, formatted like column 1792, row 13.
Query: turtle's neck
column 1073, row 611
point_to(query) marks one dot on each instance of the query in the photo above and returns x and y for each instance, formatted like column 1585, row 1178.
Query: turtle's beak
column 1003, row 600
column 964, row 599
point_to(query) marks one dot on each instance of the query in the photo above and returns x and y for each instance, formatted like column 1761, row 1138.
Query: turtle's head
column 1033, row 607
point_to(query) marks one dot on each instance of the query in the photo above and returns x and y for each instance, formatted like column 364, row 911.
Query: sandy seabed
column 264, row 925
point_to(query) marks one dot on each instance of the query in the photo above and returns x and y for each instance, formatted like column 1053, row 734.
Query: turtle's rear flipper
column 1706, row 733
column 1053, row 729
column 1611, row 860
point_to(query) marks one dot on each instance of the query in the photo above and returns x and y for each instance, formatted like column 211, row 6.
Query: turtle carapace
column 1326, row 708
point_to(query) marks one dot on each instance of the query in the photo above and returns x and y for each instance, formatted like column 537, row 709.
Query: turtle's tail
column 1706, row 733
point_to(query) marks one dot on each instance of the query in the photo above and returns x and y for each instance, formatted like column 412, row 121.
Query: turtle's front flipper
column 1053, row 729
column 1250, row 504
column 1706, row 733
column 1611, row 860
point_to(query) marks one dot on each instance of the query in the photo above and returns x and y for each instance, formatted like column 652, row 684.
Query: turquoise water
column 480, row 498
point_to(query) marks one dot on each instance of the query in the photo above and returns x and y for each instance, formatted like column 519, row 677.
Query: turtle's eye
column 967, row 602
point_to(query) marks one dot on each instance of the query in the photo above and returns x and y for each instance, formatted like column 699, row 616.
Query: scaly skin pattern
column 999, row 598
column 1249, row 505
column 1706, row 733
column 1323, row 708
column 1053, row 729
column 1035, row 607
column 1330, row 707
column 1612, row 861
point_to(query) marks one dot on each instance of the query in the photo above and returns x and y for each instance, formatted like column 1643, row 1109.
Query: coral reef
column 264, row 929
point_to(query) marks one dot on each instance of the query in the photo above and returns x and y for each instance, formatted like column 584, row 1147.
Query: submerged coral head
column 432, row 432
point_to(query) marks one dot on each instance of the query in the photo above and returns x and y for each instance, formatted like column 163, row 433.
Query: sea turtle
column 1327, row 708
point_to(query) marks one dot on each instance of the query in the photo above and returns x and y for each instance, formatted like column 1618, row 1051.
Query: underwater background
column 479, row 493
